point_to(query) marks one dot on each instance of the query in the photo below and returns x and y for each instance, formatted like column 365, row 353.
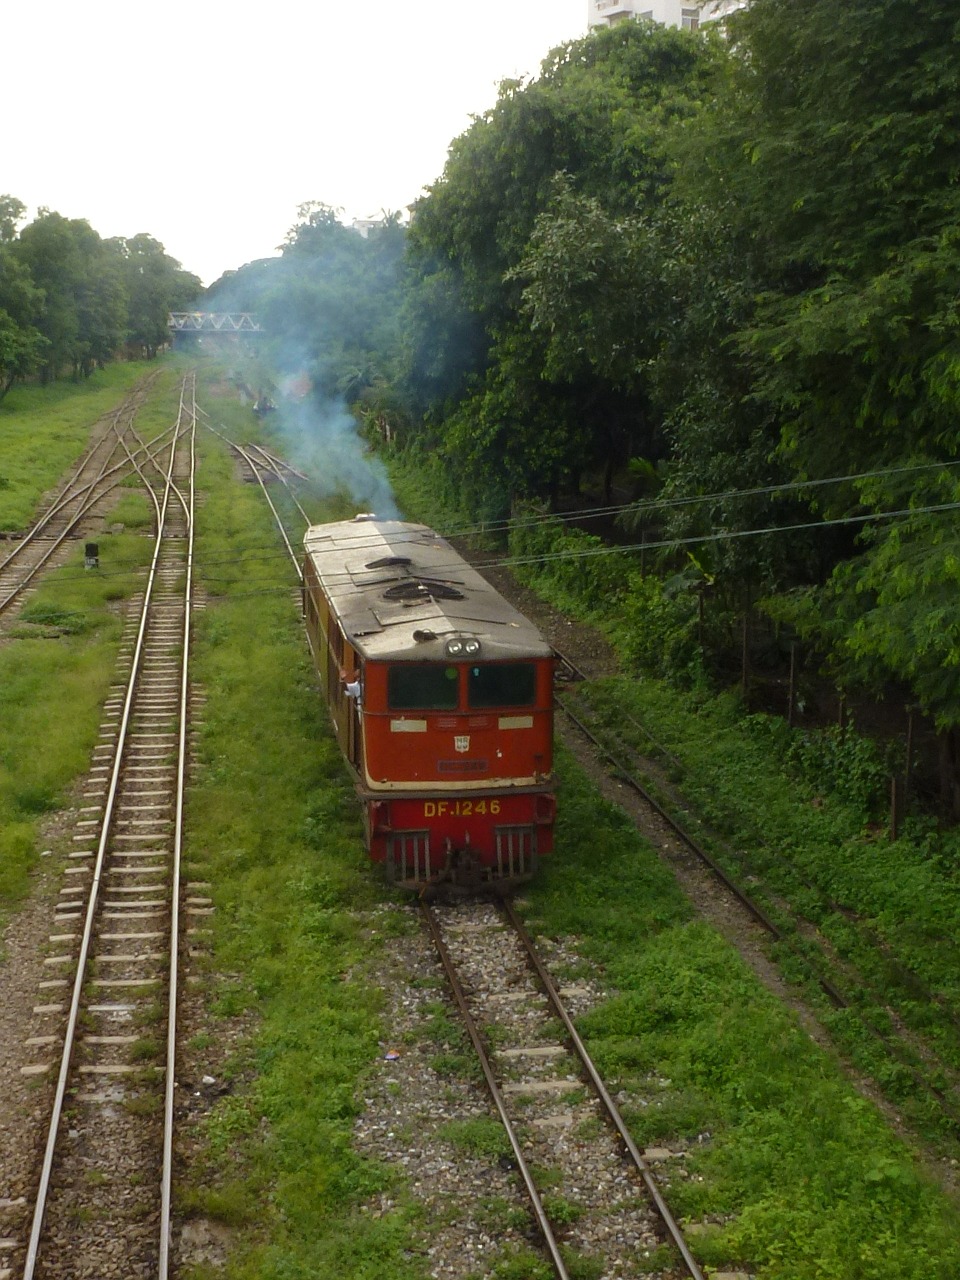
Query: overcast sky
column 207, row 123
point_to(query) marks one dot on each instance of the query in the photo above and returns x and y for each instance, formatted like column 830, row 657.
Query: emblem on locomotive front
column 462, row 743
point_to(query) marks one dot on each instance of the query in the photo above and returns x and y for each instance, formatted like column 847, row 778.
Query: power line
column 584, row 553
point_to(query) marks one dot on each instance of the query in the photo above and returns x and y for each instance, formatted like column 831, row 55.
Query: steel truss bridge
column 213, row 322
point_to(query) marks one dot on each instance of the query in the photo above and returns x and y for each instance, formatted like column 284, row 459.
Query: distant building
column 363, row 226
column 669, row 13
column 687, row 14
column 718, row 10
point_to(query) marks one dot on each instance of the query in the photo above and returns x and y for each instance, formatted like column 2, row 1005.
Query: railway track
column 524, row 1003
column 102, row 469
column 102, row 1202
column 583, row 1181
column 915, row 1056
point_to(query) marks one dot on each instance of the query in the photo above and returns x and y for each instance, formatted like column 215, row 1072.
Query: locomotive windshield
column 422, row 688
column 505, row 684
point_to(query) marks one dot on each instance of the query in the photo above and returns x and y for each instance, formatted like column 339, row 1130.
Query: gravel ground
column 472, row 1201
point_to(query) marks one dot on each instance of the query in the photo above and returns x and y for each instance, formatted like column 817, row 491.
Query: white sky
column 205, row 123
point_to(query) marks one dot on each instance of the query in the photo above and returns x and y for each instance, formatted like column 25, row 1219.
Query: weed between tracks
column 45, row 430
column 54, row 678
column 271, row 824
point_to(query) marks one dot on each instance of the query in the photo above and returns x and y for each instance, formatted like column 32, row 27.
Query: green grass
column 53, row 681
column 804, row 1174
column 45, row 430
column 274, row 827
column 813, row 847
column 799, row 1175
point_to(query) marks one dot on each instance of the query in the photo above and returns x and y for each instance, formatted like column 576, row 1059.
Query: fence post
column 745, row 667
column 792, row 693
column 894, row 808
column 908, row 767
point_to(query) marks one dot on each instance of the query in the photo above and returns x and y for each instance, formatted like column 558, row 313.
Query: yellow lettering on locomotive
column 467, row 808
column 481, row 807
column 494, row 806
column 442, row 808
column 429, row 809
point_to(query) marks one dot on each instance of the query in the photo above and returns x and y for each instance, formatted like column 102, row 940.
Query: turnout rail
column 118, row 921
column 102, row 469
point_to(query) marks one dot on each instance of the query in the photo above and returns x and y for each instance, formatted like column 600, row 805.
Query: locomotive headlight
column 471, row 646
column 454, row 647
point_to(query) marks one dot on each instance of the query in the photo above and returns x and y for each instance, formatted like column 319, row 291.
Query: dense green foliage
column 724, row 273
column 70, row 300
column 328, row 304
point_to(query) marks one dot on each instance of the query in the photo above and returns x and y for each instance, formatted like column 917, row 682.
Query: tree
column 21, row 343
column 155, row 284
column 574, row 155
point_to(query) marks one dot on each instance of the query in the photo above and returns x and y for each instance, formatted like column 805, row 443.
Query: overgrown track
column 919, row 1060
column 536, row 1081
column 260, row 466
column 105, row 466
column 102, row 1206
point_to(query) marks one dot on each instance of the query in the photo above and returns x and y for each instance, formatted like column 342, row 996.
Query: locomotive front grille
column 410, row 855
column 516, row 851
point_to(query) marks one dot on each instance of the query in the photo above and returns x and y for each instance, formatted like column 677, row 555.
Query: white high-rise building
column 688, row 14
column 670, row 13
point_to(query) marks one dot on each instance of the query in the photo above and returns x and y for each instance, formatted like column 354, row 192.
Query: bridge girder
column 213, row 322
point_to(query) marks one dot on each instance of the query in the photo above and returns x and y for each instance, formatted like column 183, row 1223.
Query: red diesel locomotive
column 441, row 695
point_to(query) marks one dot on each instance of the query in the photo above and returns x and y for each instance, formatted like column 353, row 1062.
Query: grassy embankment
column 789, row 1171
column 56, row 670
column 45, row 430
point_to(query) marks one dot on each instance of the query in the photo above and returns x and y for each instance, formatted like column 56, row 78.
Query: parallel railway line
column 103, row 468
column 102, row 1203
column 922, row 1063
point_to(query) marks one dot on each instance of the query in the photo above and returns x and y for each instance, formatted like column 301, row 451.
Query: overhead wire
column 583, row 553
column 269, row 551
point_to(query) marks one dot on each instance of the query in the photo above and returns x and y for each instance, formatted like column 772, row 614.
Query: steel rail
column 278, row 466
column 275, row 461
column 152, row 458
column 829, row 989
column 92, row 902
column 742, row 897
column 256, row 469
column 271, row 466
column 613, row 1112
column 169, row 1083
column 67, row 493
column 910, row 980
column 540, row 1213
column 86, row 507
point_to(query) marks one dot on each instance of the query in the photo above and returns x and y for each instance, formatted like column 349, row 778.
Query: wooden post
column 792, row 693
column 745, row 661
column 842, row 711
column 894, row 808
column 908, row 767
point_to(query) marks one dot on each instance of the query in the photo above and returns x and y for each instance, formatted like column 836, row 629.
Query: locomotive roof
column 401, row 591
